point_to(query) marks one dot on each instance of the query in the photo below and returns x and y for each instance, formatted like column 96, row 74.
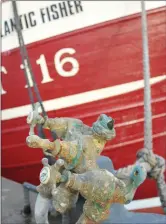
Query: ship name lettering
column 60, row 10
column 25, row 20
column 3, row 70
column 65, row 65
column 59, row 66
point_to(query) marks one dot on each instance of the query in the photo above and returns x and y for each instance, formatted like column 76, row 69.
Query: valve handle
column 32, row 118
column 47, row 171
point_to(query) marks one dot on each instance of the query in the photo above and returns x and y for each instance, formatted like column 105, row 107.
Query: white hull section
column 144, row 203
column 44, row 19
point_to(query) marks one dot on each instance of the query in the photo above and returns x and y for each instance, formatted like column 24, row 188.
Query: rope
column 162, row 190
column 22, row 53
column 156, row 172
column 155, row 168
column 157, row 163
column 154, row 164
column 27, row 64
column 147, row 90
column 25, row 57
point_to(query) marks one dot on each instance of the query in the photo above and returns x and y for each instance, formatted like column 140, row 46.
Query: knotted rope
column 155, row 167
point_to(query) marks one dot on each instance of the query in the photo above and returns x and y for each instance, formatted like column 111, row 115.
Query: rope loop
column 157, row 164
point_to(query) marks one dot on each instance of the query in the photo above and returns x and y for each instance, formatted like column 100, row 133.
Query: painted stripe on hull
column 81, row 98
column 144, row 203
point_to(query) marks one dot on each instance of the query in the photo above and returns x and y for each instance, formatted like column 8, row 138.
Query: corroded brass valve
column 50, row 176
column 34, row 118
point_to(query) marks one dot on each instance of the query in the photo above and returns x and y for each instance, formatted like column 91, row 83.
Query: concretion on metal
column 121, row 63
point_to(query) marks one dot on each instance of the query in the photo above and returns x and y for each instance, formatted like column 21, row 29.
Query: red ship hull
column 109, row 54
